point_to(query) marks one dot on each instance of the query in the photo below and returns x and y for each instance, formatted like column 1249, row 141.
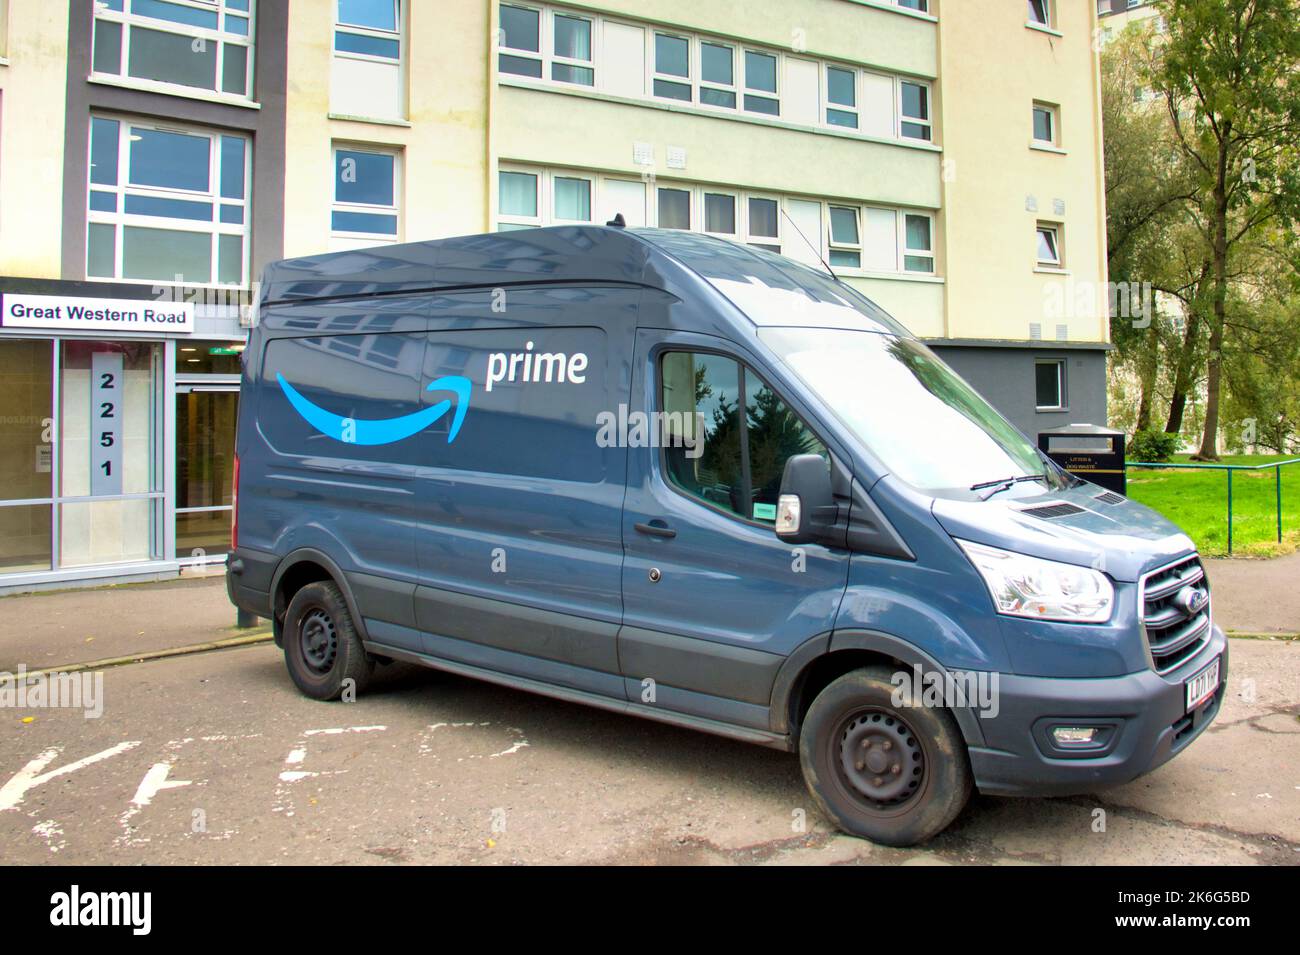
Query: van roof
column 768, row 288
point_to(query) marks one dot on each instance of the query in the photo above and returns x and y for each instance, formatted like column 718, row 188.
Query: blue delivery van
column 677, row 477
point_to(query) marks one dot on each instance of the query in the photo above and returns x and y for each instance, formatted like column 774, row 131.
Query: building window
column 518, row 205
column 1049, row 246
column 674, row 208
column 167, row 204
column 764, row 223
column 1045, row 126
column 863, row 238
column 841, row 97
column 571, row 196
column 717, row 75
column 367, row 76
column 369, row 28
column 531, row 40
column 200, row 44
column 572, row 62
column 720, row 214
column 1040, row 12
column 672, row 67
column 760, row 83
column 1049, row 385
column 846, row 239
column 914, row 103
column 563, row 49
column 366, row 189
column 920, row 6
column 918, row 242
column 521, row 34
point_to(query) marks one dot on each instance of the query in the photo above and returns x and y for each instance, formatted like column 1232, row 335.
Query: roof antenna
column 815, row 250
column 618, row 222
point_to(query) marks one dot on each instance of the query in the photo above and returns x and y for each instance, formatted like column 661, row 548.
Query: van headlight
column 1024, row 586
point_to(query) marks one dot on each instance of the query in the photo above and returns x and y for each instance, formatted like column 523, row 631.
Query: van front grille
column 1175, row 612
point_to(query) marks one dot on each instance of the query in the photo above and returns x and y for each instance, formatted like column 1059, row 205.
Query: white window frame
column 923, row 6
column 701, row 84
column 693, row 204
column 691, row 81
column 705, row 192
column 551, row 207
column 696, row 205
column 1055, row 229
column 534, row 221
column 827, row 105
column 694, row 83
column 538, row 56
column 745, row 88
column 905, row 250
column 399, row 35
column 128, row 21
column 214, row 228
column 1054, row 118
column 1061, row 403
column 1049, row 23
column 550, row 59
column 746, row 230
column 372, row 238
column 833, row 246
column 903, row 118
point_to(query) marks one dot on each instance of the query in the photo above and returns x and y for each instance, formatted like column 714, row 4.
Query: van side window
column 708, row 449
column 700, row 394
column 776, row 434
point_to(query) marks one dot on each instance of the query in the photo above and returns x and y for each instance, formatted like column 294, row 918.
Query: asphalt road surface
column 216, row 758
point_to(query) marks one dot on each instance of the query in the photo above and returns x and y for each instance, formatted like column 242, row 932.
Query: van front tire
column 894, row 775
column 322, row 648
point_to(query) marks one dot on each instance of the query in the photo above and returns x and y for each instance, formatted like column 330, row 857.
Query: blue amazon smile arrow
column 383, row 430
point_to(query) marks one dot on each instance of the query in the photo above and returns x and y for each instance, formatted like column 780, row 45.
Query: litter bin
column 1090, row 451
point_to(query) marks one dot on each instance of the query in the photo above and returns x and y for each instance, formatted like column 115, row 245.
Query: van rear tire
column 322, row 648
column 895, row 775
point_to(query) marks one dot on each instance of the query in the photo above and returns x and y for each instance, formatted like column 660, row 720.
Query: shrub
column 1153, row 446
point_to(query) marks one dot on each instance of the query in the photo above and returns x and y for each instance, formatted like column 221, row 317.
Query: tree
column 1229, row 74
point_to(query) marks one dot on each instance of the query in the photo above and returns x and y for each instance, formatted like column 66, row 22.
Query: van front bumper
column 1142, row 722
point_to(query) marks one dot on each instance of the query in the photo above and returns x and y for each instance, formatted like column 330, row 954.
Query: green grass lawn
column 1197, row 501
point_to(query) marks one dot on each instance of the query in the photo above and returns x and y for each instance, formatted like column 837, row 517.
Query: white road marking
column 30, row 776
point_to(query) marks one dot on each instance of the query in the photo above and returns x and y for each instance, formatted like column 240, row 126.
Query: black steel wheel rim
column 319, row 641
column 879, row 759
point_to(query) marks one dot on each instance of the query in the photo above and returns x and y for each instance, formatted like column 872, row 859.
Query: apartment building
column 943, row 156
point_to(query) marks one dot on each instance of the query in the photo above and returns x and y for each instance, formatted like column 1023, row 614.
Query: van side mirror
column 806, row 511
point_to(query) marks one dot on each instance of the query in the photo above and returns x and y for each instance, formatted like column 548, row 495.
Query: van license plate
column 1202, row 686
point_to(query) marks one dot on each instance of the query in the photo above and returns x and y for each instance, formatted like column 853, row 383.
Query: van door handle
column 656, row 528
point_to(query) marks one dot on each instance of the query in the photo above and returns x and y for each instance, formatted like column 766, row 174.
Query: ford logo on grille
column 1191, row 600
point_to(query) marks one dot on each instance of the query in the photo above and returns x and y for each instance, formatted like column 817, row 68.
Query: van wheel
column 321, row 646
column 894, row 775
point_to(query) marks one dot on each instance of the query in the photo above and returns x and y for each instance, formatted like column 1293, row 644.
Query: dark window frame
column 1063, row 403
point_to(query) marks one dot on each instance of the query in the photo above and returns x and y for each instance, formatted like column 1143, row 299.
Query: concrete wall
column 1005, row 377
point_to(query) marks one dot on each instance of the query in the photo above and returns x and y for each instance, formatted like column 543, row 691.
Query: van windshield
column 913, row 412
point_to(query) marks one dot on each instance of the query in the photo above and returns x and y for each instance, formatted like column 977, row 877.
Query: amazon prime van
column 680, row 478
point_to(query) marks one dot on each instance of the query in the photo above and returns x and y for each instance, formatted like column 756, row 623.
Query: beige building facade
column 943, row 156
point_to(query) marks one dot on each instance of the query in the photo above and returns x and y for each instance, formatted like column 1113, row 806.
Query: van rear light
column 234, row 508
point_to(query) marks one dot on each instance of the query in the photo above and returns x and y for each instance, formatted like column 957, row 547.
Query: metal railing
column 1277, row 467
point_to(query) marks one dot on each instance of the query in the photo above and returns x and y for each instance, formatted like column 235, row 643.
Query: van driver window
column 700, row 394
column 701, row 435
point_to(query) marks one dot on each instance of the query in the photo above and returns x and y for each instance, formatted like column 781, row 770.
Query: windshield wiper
column 1001, row 484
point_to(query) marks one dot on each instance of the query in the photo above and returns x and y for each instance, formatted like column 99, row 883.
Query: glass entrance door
column 205, row 461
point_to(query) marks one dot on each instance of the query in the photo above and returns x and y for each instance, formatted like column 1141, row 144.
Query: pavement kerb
column 244, row 640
